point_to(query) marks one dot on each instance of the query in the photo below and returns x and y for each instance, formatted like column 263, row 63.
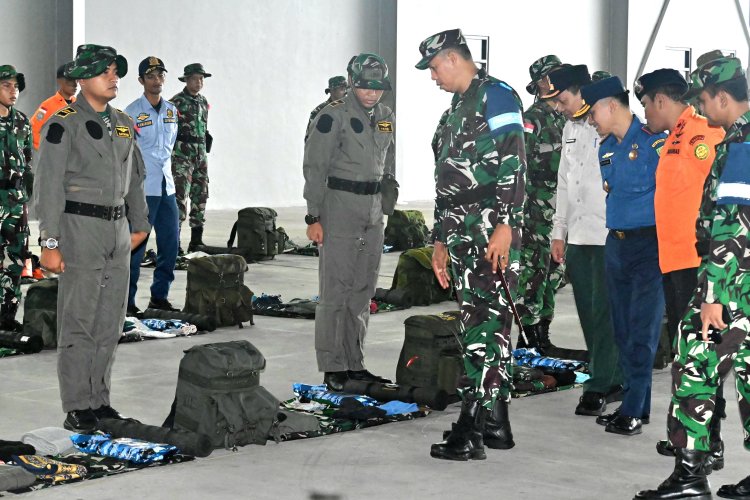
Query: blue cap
column 658, row 79
column 608, row 87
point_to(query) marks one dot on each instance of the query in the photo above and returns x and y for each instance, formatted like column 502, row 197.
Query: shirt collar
column 736, row 127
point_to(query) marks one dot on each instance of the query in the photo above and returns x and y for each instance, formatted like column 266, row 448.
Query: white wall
column 520, row 32
column 270, row 61
column 716, row 28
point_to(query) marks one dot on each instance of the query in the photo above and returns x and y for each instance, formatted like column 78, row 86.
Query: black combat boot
column 465, row 439
column 497, row 434
column 196, row 238
column 740, row 490
column 8, row 320
column 687, row 481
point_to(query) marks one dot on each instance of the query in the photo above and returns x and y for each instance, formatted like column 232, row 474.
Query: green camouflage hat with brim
column 93, row 60
column 369, row 71
column 541, row 68
column 336, row 82
column 709, row 56
column 193, row 69
column 600, row 75
column 430, row 46
column 715, row 71
column 7, row 72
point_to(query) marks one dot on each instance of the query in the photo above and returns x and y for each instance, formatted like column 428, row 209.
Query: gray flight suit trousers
column 92, row 296
column 348, row 272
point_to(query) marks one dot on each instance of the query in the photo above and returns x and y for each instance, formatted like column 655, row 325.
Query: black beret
column 659, row 79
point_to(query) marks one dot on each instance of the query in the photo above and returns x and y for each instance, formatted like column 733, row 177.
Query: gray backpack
column 218, row 394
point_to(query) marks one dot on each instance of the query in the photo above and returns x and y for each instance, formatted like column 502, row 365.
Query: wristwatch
column 311, row 219
column 49, row 243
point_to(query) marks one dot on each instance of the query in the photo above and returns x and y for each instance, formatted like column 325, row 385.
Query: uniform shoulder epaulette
column 65, row 112
column 336, row 102
column 647, row 130
column 744, row 132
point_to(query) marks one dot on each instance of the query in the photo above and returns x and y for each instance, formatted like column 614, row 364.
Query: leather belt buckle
column 620, row 235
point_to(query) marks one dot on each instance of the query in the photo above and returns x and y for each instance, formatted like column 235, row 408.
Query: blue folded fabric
column 136, row 451
column 398, row 407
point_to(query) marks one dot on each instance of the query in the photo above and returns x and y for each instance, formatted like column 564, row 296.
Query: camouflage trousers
column 540, row 276
column 14, row 231
column 486, row 317
column 190, row 172
column 697, row 372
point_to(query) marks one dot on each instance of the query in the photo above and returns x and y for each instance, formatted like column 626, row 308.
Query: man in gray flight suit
column 89, row 171
column 349, row 149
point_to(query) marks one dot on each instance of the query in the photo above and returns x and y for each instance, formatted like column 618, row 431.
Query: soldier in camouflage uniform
column 337, row 88
column 714, row 334
column 540, row 276
column 189, row 162
column 15, row 165
column 480, row 167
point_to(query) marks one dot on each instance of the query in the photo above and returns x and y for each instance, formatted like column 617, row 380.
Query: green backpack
column 257, row 235
column 414, row 275
column 215, row 288
column 218, row 394
column 431, row 354
column 406, row 229
column 40, row 311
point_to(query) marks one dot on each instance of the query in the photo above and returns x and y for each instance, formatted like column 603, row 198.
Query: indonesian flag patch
column 528, row 127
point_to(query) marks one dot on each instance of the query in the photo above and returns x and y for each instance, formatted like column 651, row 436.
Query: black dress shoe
column 133, row 311
column 335, row 380
column 83, row 421
column 740, row 490
column 591, row 404
column 624, row 425
column 161, row 304
column 366, row 376
column 106, row 411
column 606, row 419
column 613, row 394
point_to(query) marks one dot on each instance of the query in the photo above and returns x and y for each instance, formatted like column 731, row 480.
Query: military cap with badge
column 149, row 65
column 369, row 71
column 659, row 79
column 7, row 72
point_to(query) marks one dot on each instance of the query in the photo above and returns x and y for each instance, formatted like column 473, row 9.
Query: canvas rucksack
column 414, row 275
column 218, row 394
column 406, row 229
column 256, row 233
column 40, row 311
column 215, row 288
column 431, row 354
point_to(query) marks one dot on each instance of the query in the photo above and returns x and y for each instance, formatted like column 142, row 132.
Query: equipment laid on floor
column 431, row 354
column 21, row 341
column 415, row 277
column 189, row 443
column 203, row 323
column 215, row 288
column 435, row 398
column 218, row 395
column 40, row 311
column 256, row 231
column 406, row 229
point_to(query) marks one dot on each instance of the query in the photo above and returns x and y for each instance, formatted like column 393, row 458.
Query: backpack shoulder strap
column 232, row 235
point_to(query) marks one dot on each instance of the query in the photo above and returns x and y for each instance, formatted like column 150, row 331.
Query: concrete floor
column 557, row 456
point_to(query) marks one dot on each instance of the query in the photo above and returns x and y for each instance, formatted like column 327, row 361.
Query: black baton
column 512, row 306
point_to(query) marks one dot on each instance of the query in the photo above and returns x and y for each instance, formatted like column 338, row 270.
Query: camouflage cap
column 707, row 57
column 600, row 75
column 192, row 69
column 437, row 42
column 336, row 81
column 539, row 69
column 719, row 70
column 93, row 60
column 7, row 72
column 369, row 71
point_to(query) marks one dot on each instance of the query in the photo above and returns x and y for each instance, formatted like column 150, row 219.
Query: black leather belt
column 192, row 140
column 356, row 187
column 98, row 211
column 466, row 197
column 622, row 234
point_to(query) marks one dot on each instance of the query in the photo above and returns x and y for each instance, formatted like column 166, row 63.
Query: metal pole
column 652, row 39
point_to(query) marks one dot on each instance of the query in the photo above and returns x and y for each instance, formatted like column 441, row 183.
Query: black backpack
column 431, row 355
column 215, row 288
column 218, row 394
column 257, row 235
column 40, row 311
column 406, row 229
